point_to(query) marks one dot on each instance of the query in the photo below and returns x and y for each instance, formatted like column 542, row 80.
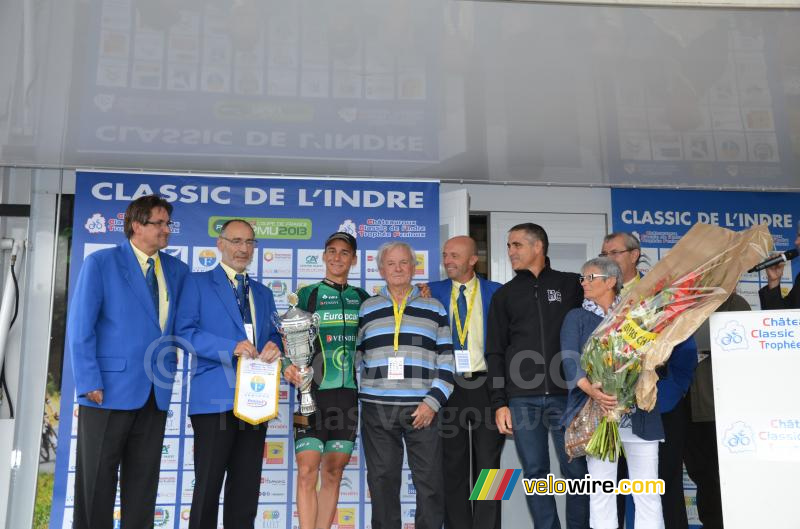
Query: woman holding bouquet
column 640, row 431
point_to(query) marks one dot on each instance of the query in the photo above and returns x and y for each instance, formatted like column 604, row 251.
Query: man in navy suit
column 119, row 328
column 467, row 298
column 224, row 315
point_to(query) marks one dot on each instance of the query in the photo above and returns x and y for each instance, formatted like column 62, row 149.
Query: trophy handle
column 314, row 329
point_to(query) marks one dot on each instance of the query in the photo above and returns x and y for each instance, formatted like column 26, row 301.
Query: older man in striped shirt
column 406, row 351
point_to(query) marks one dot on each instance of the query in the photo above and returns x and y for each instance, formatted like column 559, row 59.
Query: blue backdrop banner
column 661, row 218
column 292, row 218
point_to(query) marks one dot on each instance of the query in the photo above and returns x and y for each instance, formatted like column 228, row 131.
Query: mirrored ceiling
column 463, row 90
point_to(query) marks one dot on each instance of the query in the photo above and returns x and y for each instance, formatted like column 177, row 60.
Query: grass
column 44, row 500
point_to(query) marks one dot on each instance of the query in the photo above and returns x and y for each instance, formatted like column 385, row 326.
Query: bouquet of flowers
column 660, row 311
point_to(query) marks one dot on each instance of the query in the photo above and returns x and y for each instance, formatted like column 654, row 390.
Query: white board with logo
column 756, row 361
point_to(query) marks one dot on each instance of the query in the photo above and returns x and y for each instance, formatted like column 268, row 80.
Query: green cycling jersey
column 337, row 306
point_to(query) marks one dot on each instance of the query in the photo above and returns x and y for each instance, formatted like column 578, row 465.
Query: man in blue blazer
column 119, row 332
column 224, row 315
column 466, row 297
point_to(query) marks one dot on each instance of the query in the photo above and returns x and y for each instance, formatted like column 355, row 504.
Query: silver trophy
column 299, row 329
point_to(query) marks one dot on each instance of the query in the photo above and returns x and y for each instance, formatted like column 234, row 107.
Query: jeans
column 532, row 418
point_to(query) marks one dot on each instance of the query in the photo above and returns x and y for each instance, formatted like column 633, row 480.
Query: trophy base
column 303, row 421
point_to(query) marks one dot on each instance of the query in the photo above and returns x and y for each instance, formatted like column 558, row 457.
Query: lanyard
column 243, row 304
column 398, row 318
column 462, row 332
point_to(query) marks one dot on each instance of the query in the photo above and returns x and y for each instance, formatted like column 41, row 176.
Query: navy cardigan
column 575, row 331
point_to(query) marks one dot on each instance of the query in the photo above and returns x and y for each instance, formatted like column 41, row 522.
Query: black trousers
column 702, row 465
column 670, row 466
column 384, row 428
column 224, row 445
column 468, row 414
column 110, row 440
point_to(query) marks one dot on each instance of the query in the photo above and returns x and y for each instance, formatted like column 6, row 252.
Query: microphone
column 788, row 255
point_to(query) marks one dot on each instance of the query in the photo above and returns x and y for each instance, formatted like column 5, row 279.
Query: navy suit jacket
column 209, row 320
column 442, row 290
column 113, row 334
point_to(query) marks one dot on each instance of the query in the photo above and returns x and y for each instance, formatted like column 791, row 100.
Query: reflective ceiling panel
column 479, row 91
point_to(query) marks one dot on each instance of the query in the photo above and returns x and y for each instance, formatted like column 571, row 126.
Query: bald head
column 459, row 257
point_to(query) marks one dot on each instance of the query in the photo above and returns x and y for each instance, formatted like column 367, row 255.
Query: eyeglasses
column 159, row 223
column 612, row 253
column 590, row 277
column 239, row 242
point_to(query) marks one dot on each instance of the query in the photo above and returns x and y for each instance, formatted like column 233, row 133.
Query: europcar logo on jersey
column 96, row 224
column 161, row 517
column 257, row 383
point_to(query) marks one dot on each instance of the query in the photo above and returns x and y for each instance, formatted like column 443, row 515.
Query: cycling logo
column 732, row 337
column 739, row 438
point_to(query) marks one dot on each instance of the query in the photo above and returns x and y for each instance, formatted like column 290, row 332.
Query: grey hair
column 608, row 267
column 387, row 246
column 631, row 242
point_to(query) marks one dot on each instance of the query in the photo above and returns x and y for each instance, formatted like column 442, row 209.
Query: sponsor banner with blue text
column 292, row 218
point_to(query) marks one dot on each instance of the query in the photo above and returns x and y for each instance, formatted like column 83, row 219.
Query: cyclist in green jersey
column 325, row 444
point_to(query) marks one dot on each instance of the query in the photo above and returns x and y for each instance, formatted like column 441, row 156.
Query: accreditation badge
column 256, row 396
column 462, row 360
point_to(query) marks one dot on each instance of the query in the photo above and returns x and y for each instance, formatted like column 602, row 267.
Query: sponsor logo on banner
column 95, row 224
column 732, row 337
column 161, row 517
column 167, row 487
column 188, row 487
column 188, row 453
column 205, row 258
column 346, row 518
column 116, row 224
column 421, row 271
column 739, row 438
column 169, row 453
column 271, row 517
column 377, row 228
column 274, row 452
column 277, row 262
column 173, row 425
column 178, row 252
column 274, row 486
column 310, row 264
column 373, row 288
column 371, row 267
column 348, row 226
column 257, row 383
column 268, row 228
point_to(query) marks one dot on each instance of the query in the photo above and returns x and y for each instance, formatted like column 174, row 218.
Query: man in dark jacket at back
column 523, row 347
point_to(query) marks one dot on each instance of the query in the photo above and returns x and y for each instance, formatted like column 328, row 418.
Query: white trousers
column 642, row 458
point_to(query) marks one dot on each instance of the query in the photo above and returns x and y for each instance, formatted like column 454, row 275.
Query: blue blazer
column 209, row 320
column 442, row 291
column 113, row 334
